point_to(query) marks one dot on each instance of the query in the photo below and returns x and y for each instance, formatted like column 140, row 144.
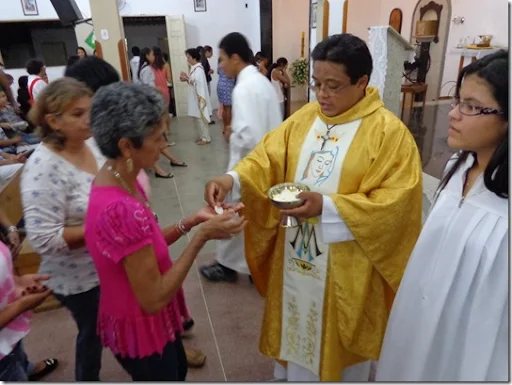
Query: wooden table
column 413, row 89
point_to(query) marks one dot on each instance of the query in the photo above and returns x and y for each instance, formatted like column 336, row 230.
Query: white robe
column 199, row 105
column 449, row 321
column 255, row 112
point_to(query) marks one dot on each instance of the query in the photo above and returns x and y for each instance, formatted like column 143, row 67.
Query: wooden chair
column 28, row 260
column 413, row 89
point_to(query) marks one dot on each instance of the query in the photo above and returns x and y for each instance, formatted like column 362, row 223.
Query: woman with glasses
column 450, row 318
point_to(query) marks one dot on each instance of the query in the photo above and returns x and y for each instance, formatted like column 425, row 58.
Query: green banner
column 90, row 41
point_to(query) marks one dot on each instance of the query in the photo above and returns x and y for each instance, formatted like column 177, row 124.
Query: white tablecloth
column 468, row 52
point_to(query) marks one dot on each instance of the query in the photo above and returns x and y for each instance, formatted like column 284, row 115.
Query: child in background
column 18, row 295
column 23, row 96
column 13, row 138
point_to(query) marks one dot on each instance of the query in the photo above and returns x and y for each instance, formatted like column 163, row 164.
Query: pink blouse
column 19, row 327
column 116, row 226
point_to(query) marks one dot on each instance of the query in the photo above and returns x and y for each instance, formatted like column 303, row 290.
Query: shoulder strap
column 31, row 88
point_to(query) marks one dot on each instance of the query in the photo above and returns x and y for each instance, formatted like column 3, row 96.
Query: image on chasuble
column 319, row 167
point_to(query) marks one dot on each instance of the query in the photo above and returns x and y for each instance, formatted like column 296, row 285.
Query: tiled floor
column 227, row 315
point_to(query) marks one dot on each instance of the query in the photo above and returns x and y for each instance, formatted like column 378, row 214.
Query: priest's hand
column 217, row 189
column 312, row 207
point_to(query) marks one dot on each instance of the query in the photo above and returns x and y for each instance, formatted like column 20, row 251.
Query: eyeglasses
column 328, row 90
column 470, row 110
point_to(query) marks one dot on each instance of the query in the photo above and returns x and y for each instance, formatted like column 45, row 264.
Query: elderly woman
column 55, row 188
column 139, row 317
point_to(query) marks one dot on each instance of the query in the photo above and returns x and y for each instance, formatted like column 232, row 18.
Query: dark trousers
column 15, row 365
column 171, row 365
column 84, row 309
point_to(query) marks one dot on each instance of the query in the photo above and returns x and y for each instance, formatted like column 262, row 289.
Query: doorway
column 167, row 33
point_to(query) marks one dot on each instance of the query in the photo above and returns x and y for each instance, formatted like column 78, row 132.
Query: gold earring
column 129, row 164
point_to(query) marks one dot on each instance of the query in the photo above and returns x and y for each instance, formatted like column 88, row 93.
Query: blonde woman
column 55, row 187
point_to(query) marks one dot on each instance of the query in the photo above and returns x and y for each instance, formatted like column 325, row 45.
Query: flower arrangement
column 299, row 70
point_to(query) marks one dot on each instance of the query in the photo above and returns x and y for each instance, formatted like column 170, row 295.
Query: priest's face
column 475, row 122
column 333, row 88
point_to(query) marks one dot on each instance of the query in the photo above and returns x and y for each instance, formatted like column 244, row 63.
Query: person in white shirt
column 199, row 105
column 37, row 79
column 450, row 318
column 255, row 112
column 135, row 63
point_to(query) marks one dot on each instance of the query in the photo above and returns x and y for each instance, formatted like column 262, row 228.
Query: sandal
column 50, row 365
column 188, row 324
column 168, row 176
column 203, row 142
column 181, row 164
column 195, row 358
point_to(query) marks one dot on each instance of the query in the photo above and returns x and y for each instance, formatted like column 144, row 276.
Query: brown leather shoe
column 195, row 358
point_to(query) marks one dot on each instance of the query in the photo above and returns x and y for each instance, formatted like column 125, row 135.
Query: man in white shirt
column 37, row 79
column 134, row 63
column 255, row 112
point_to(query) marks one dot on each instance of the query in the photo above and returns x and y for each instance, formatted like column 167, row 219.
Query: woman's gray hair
column 125, row 110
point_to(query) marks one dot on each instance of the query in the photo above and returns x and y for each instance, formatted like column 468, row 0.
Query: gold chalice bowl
column 284, row 197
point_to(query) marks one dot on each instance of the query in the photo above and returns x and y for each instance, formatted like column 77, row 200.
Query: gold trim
column 292, row 329
column 309, row 347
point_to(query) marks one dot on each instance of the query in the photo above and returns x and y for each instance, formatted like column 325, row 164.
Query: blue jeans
column 31, row 138
column 84, row 309
column 15, row 366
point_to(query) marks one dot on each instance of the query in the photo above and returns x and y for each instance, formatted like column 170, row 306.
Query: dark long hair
column 279, row 62
column 494, row 70
column 159, row 58
column 143, row 59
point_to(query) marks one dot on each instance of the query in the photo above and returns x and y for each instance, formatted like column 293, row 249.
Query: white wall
column 489, row 18
column 202, row 28
column 335, row 16
column 482, row 18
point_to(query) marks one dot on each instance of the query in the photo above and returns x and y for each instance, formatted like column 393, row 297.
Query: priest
column 329, row 284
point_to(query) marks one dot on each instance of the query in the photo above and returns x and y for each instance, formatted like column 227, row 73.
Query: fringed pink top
column 118, row 225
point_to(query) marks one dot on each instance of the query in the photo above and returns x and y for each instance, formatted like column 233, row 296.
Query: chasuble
column 329, row 284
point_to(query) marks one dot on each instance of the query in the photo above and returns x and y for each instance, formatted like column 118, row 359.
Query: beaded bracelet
column 12, row 229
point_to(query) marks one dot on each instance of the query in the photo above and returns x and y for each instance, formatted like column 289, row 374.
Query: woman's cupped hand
column 206, row 213
column 223, row 226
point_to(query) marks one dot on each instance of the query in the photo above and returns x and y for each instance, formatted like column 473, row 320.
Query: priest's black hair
column 236, row 44
column 494, row 70
column 347, row 50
